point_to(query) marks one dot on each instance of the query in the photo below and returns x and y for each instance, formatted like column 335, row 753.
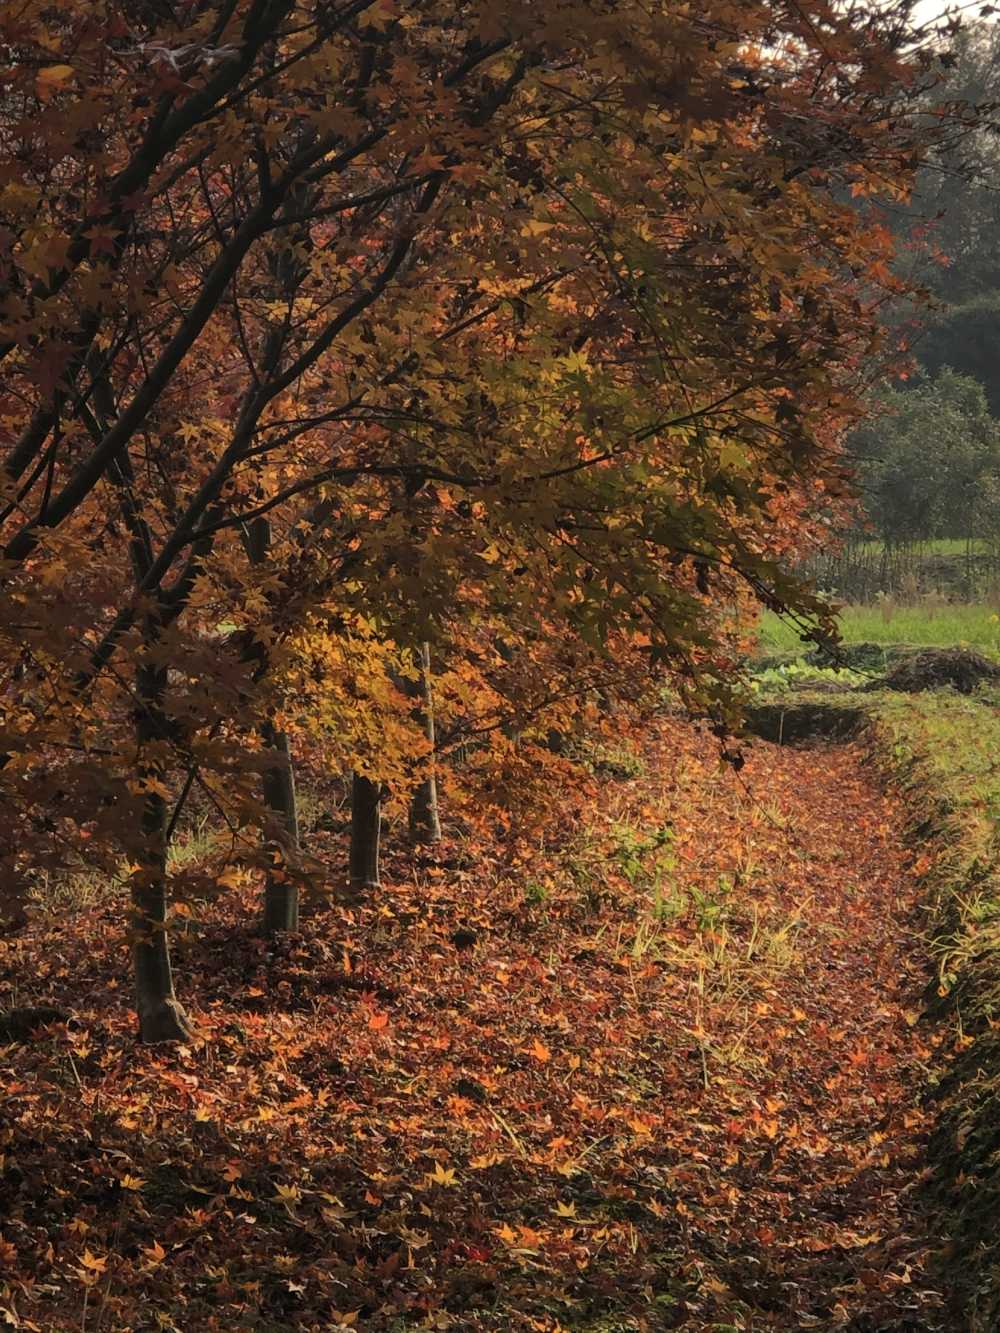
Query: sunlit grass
column 945, row 745
column 940, row 546
column 932, row 625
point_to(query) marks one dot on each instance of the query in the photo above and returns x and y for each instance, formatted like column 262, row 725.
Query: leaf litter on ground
column 670, row 1076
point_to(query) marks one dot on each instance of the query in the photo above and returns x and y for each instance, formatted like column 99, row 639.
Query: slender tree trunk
column 425, row 826
column 281, row 893
column 161, row 1017
column 366, row 830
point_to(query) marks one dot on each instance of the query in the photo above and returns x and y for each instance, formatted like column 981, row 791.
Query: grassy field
column 940, row 546
column 937, row 626
column 946, row 745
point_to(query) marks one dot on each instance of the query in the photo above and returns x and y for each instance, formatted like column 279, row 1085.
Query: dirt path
column 823, row 1225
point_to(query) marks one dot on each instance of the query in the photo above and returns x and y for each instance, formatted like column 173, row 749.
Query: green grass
column 945, row 747
column 927, row 625
column 940, row 546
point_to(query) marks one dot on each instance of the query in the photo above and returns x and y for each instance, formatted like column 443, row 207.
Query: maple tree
column 409, row 400
column 462, row 320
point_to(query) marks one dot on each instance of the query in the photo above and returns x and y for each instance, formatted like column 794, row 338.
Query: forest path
column 657, row 1064
column 823, row 1223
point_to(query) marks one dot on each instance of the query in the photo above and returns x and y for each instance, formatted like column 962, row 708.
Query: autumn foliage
column 398, row 399
column 521, row 330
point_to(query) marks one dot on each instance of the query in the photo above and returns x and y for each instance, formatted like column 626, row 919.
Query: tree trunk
column 161, row 1017
column 366, row 829
column 281, row 893
column 425, row 826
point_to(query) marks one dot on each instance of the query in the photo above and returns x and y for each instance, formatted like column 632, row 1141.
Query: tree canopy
column 525, row 330
column 925, row 457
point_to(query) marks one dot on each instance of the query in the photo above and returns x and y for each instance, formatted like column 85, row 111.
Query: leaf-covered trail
column 826, row 1205
column 663, row 1070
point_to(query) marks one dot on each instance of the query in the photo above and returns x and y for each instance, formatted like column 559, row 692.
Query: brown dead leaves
column 678, row 1087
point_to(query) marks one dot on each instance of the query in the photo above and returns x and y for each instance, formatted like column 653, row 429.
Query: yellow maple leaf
column 442, row 1175
column 50, row 79
column 155, row 1253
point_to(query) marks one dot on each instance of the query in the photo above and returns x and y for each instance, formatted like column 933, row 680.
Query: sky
column 928, row 10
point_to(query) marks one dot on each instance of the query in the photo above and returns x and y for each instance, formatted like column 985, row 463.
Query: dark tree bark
column 281, row 893
column 161, row 1017
column 425, row 824
column 366, row 831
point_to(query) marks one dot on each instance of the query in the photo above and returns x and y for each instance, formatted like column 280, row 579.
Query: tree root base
column 166, row 1022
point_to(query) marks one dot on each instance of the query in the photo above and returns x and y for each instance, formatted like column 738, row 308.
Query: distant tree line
column 929, row 462
column 929, row 457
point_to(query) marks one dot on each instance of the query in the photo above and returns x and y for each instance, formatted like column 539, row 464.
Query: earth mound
column 961, row 668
